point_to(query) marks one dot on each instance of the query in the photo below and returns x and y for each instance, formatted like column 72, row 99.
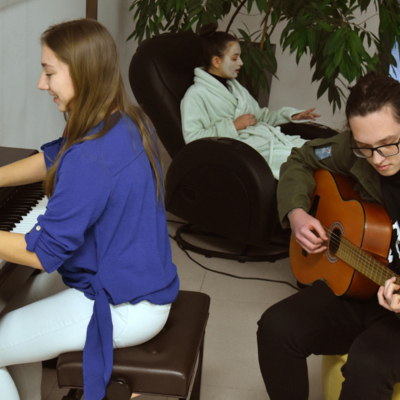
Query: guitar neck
column 364, row 263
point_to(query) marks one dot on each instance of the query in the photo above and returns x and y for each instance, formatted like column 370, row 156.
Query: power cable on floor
column 225, row 273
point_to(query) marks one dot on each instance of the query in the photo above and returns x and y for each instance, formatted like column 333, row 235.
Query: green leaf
column 246, row 63
column 274, row 17
column 347, row 69
column 338, row 56
column 262, row 5
column 323, row 87
column 312, row 36
column 331, row 95
column 215, row 7
column 130, row 36
column 256, row 58
column 245, row 36
column 151, row 26
column 356, row 41
column 369, row 40
column 364, row 4
column 193, row 5
column 191, row 22
column 249, row 6
column 383, row 18
column 155, row 29
column 330, row 70
column 291, row 39
column 350, row 11
column 133, row 5
column 295, row 25
column 301, row 47
column 323, row 5
column 354, row 55
column 170, row 4
column 195, row 12
column 324, row 25
column 344, row 70
column 180, row 5
column 136, row 14
column 313, row 61
column 334, row 41
column 270, row 64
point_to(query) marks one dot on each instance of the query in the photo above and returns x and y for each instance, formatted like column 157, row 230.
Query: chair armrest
column 308, row 130
column 224, row 186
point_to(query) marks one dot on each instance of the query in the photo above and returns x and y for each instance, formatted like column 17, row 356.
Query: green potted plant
column 324, row 29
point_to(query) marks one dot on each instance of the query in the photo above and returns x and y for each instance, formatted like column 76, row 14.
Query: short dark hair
column 372, row 92
column 214, row 43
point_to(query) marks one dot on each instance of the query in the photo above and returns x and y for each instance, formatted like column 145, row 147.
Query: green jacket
column 296, row 184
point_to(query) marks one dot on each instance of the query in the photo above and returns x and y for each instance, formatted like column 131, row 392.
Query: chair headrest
column 161, row 71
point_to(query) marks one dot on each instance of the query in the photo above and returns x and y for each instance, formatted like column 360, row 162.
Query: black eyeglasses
column 387, row 150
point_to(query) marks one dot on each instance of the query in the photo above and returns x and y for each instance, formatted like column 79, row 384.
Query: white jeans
column 47, row 318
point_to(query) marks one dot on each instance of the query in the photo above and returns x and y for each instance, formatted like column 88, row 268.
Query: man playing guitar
column 315, row 320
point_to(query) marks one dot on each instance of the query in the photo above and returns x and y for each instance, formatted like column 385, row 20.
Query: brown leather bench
column 163, row 366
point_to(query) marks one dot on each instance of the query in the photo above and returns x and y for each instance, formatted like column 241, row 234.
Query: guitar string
column 354, row 250
column 374, row 268
column 373, row 265
column 366, row 265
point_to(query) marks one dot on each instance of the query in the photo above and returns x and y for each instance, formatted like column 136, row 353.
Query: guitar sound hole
column 334, row 241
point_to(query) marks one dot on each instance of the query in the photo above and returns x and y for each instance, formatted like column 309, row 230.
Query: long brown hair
column 91, row 54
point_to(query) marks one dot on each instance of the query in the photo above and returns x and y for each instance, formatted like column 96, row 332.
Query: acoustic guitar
column 359, row 235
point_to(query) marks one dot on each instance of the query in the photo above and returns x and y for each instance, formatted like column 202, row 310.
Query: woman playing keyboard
column 102, row 243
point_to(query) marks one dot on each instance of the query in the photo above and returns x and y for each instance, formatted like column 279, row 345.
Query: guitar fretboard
column 364, row 263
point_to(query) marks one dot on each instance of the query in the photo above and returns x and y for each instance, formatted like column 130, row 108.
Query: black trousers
column 315, row 321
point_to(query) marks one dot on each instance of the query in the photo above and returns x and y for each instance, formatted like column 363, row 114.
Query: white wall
column 5, row 3
column 28, row 116
column 115, row 15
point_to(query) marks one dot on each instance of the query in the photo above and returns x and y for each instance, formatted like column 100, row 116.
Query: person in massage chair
column 217, row 105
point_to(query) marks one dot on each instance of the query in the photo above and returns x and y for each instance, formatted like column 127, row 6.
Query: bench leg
column 197, row 380
column 118, row 390
column 74, row 394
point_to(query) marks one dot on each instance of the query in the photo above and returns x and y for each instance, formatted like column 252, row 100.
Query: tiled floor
column 230, row 369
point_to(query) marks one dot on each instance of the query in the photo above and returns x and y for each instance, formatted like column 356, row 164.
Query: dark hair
column 372, row 92
column 214, row 43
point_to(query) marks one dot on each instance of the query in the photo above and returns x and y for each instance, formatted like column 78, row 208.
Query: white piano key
column 28, row 221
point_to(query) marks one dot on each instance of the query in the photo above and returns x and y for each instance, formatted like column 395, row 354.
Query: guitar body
column 340, row 209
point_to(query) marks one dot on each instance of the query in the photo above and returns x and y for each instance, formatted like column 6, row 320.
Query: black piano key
column 13, row 276
column 7, row 227
column 10, row 219
column 21, row 203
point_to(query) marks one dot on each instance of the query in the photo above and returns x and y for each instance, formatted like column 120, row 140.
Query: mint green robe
column 208, row 109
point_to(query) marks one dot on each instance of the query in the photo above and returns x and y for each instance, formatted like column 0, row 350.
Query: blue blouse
column 105, row 232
